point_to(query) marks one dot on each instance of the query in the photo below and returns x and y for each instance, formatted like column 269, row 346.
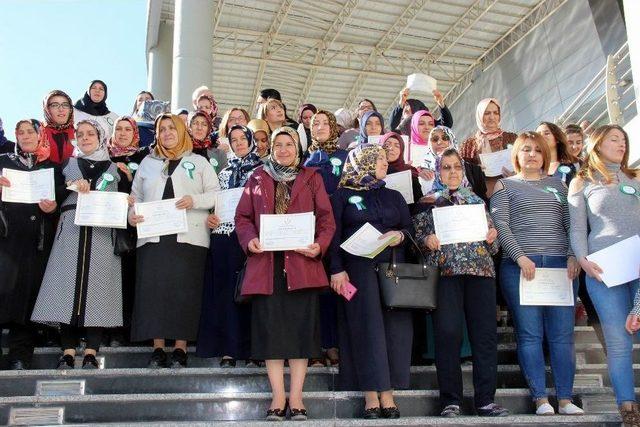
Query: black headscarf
column 86, row 105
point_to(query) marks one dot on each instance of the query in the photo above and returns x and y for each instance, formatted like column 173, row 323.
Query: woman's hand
column 47, row 206
column 404, row 94
column 398, row 237
column 438, row 97
column 426, row 174
column 573, row 268
column 4, row 182
column 254, row 246
column 186, row 202
column 633, row 323
column 591, row 268
column 311, row 251
column 125, row 170
column 492, row 235
column 224, row 147
column 339, row 281
column 82, row 185
column 131, row 200
column 432, row 242
column 527, row 267
column 134, row 220
column 213, row 221
column 430, row 198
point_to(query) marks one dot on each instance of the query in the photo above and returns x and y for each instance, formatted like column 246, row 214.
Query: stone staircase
column 126, row 393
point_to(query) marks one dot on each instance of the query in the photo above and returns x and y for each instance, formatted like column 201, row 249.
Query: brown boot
column 630, row 415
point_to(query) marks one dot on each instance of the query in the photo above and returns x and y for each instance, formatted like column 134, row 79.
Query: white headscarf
column 102, row 152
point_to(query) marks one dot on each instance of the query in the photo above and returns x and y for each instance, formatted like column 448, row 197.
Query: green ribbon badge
column 628, row 189
column 133, row 167
column 214, row 163
column 564, row 170
column 189, row 167
column 336, row 163
column 107, row 179
column 357, row 200
column 553, row 191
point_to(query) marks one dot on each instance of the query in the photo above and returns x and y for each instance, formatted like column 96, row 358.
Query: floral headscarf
column 278, row 172
column 331, row 144
column 429, row 161
column 184, row 145
column 364, row 138
column 214, row 105
column 50, row 122
column 200, row 143
column 359, row 171
column 462, row 195
column 42, row 151
column 416, row 138
column 114, row 149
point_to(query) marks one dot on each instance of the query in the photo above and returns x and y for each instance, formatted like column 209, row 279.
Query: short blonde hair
column 539, row 141
column 262, row 112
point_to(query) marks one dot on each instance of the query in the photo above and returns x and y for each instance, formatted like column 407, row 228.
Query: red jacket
column 307, row 195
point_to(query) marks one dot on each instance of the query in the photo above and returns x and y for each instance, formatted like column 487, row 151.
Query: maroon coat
column 307, row 195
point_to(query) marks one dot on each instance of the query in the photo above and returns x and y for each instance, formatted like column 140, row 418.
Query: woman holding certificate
column 466, row 290
column 393, row 145
column 171, row 261
column 375, row 342
column 371, row 124
column 284, row 284
column 224, row 324
column 604, row 206
column 26, row 236
column 531, row 215
column 82, row 286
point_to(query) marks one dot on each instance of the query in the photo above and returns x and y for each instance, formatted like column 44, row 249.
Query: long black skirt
column 224, row 325
column 286, row 324
column 169, row 278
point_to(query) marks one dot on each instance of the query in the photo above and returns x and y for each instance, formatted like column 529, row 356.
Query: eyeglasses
column 56, row 105
column 449, row 168
column 437, row 138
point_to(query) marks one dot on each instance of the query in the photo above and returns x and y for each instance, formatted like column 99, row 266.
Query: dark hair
column 451, row 152
column 135, row 101
column 562, row 148
column 573, row 128
column 356, row 122
column 270, row 93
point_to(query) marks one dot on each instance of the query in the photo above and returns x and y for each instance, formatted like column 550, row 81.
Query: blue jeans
column 533, row 323
column 613, row 306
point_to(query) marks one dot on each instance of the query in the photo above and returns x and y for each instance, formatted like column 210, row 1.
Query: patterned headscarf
column 399, row 164
column 462, row 195
column 344, row 118
column 283, row 175
column 416, row 138
column 331, row 144
column 200, row 143
column 363, row 125
column 359, row 171
column 429, row 161
column 214, row 105
column 42, row 151
column 236, row 174
column 114, row 149
column 304, row 108
column 102, row 152
column 50, row 122
column 184, row 145
column 483, row 136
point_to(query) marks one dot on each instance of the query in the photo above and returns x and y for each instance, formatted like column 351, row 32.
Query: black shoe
column 178, row 359
column 227, row 363
column 90, row 362
column 492, row 410
column 66, row 362
column 371, row 413
column 391, row 412
column 158, row 359
column 450, row 411
column 277, row 414
column 17, row 365
column 298, row 414
column 248, row 363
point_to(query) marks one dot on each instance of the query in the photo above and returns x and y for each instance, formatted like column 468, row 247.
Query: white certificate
column 494, row 162
column 28, row 187
column 374, row 139
column 550, row 286
column 102, row 209
column 365, row 243
column 619, row 262
column 425, row 185
column 226, row 204
column 161, row 218
column 287, row 232
column 401, row 182
column 416, row 153
column 460, row 224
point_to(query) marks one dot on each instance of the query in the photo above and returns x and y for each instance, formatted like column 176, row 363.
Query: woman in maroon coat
column 284, row 286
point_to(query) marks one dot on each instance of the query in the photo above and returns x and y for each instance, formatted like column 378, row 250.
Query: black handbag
column 4, row 224
column 238, row 298
column 125, row 242
column 405, row 285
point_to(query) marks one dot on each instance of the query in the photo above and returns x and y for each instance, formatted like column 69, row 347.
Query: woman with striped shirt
column 530, row 212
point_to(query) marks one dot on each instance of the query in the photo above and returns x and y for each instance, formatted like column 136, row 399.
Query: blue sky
column 64, row 44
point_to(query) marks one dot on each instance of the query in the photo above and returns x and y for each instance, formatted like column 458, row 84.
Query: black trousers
column 21, row 342
column 473, row 298
column 70, row 337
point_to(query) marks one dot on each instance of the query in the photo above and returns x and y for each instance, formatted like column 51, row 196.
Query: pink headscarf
column 415, row 134
column 483, row 136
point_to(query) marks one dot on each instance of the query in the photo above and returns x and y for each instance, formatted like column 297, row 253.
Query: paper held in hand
column 494, row 162
column 550, row 286
column 401, row 182
column 365, row 243
column 287, row 232
column 421, row 83
column 226, row 204
column 161, row 218
column 460, row 224
column 102, row 209
column 28, row 187
column 619, row 262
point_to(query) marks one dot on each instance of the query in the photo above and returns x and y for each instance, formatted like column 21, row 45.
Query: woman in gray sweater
column 604, row 203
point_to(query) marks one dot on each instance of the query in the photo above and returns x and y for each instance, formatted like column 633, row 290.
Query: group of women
column 560, row 204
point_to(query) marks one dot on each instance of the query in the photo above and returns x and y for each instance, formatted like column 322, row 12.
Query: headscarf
column 463, row 195
column 200, row 143
column 184, row 145
column 50, row 122
column 102, row 152
column 86, row 105
column 257, row 125
column 3, row 138
column 429, row 161
column 43, row 149
column 304, row 108
column 239, row 168
column 483, row 136
column 416, row 105
column 214, row 105
column 331, row 144
column 415, row 134
column 114, row 149
column 58, row 136
column 359, row 171
column 399, row 164
column 344, row 118
column 363, row 124
column 283, row 174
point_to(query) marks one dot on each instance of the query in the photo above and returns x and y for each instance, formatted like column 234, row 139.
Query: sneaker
column 90, row 362
column 66, row 362
column 158, row 359
column 570, row 409
column 545, row 409
column 492, row 410
column 450, row 411
column 178, row 359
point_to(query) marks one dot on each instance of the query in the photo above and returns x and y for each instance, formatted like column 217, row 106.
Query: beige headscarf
column 185, row 145
column 483, row 136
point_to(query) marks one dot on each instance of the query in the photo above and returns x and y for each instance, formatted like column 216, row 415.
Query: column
column 159, row 60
